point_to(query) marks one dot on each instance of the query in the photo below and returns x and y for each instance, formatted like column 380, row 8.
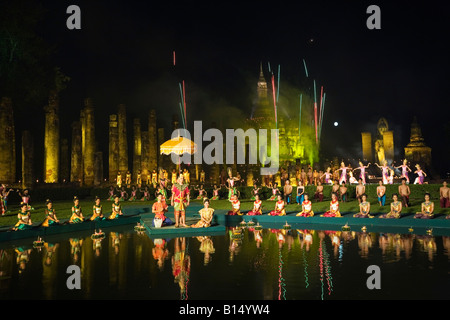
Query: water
column 292, row 265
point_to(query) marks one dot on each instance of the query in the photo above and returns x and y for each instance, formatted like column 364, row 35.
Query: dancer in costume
column 360, row 190
column 420, row 175
column 275, row 192
column 163, row 192
column 77, row 214
column 133, row 194
column 315, row 177
column 128, row 179
column 97, row 211
column 50, row 216
column 396, row 209
column 300, row 193
column 231, row 181
column 180, row 200
column 319, row 192
column 173, row 179
column 201, row 192
column 186, row 176
column 146, row 195
column 119, row 180
column 235, row 206
column 334, row 207
column 279, row 209
column 405, row 170
column 343, row 176
column 202, row 176
column 159, row 208
column 287, row 190
column 404, row 192
column 444, row 195
column 206, row 215
column 391, row 176
column 362, row 171
column 111, row 194
column 5, row 195
column 139, row 178
column 154, row 178
column 328, row 176
column 381, row 193
column 427, row 211
column 364, row 208
column 384, row 172
column 24, row 217
column 123, row 194
column 25, row 195
column 257, row 207
column 352, row 179
column 215, row 193
column 306, row 208
column 255, row 191
column 343, row 192
column 116, row 209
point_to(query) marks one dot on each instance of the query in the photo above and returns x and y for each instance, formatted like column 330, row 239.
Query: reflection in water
column 270, row 263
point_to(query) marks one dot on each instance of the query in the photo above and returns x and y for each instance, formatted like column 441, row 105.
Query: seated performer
column 97, row 211
column 279, row 207
column 201, row 192
column 24, row 217
column 334, row 207
column 159, row 208
column 206, row 215
column 236, row 206
column 215, row 193
column 364, row 208
column 146, row 195
column 116, row 209
column 396, row 209
column 427, row 209
column 255, row 191
column 133, row 194
column 77, row 214
column 257, row 207
column 50, row 216
column 275, row 192
column 306, row 208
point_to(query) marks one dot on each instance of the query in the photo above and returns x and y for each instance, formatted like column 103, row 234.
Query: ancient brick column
column 98, row 168
column 145, row 144
column 76, row 157
column 65, row 162
column 27, row 160
column 7, row 142
column 137, row 148
column 51, row 140
column 153, row 141
column 388, row 144
column 88, row 135
column 113, row 156
column 367, row 146
column 123, row 145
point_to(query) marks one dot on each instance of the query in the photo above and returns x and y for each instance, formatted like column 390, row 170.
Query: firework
column 174, row 58
column 306, row 70
column 278, row 85
column 274, row 100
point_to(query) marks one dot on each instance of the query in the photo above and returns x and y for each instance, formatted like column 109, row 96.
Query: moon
column 336, row 123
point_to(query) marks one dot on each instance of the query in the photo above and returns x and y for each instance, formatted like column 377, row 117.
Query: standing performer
column 319, row 192
column 154, row 178
column 404, row 192
column 119, row 180
column 362, row 171
column 128, row 179
column 381, row 193
column 343, row 176
column 180, row 200
column 306, row 208
column 287, row 190
column 279, row 207
column 300, row 193
column 202, row 176
column 384, row 172
column 444, row 195
column 421, row 175
column 427, row 209
column 231, row 184
column 257, row 207
column 174, row 176
column 334, row 207
column 360, row 190
column 139, row 179
column 405, row 170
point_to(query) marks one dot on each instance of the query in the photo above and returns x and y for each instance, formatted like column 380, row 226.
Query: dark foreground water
column 271, row 265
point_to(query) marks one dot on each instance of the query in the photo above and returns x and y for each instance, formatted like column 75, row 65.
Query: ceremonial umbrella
column 178, row 145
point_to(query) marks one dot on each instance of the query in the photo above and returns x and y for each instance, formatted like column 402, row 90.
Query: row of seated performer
column 427, row 209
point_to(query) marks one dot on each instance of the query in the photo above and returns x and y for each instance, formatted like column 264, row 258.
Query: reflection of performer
column 180, row 200
column 160, row 252
column 334, row 207
column 206, row 215
column 207, row 247
column 181, row 264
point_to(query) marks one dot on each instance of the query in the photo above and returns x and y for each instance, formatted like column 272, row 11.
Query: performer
column 26, row 198
column 381, row 193
column 306, row 208
column 139, row 178
column 343, row 192
column 319, row 192
column 116, row 209
column 335, row 187
column 287, row 190
column 111, row 194
column 77, row 214
column 215, row 193
column 405, row 170
column 421, row 175
column 255, row 191
column 206, row 215
column 315, row 177
column 257, row 207
column 231, row 184
column 5, row 195
column 161, row 190
column 154, row 178
column 352, row 179
column 24, row 217
column 173, row 179
column 444, row 195
column 201, row 192
column 186, row 176
column 97, row 211
column 119, row 180
column 364, row 208
column 334, row 207
column 159, row 208
column 202, row 176
column 146, row 195
column 391, row 176
column 384, row 172
column 123, row 194
column 275, row 192
column 343, row 176
column 180, row 200
column 279, row 207
column 50, row 216
column 360, row 190
column 128, row 179
column 133, row 194
column 404, row 192
column 427, row 209
column 362, row 171
column 396, row 209
column 235, row 206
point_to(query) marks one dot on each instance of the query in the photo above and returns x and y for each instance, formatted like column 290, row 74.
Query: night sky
column 123, row 54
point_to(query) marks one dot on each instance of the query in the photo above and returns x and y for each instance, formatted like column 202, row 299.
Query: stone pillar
column 7, row 142
column 388, row 144
column 137, row 148
column 123, row 145
column 113, row 155
column 161, row 140
column 76, row 163
column 367, row 146
column 27, row 160
column 153, row 141
column 98, row 168
column 65, row 162
column 145, row 167
column 51, row 140
column 88, row 134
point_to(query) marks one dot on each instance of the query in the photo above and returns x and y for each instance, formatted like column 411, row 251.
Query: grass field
column 63, row 208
